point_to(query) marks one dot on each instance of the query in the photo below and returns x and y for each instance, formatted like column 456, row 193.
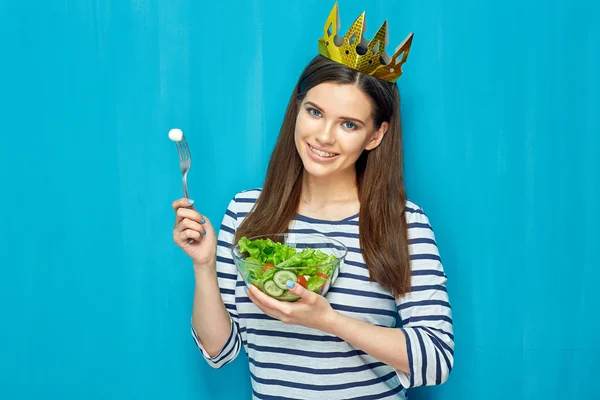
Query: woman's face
column 334, row 126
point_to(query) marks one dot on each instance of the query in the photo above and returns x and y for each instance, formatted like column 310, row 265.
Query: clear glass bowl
column 272, row 278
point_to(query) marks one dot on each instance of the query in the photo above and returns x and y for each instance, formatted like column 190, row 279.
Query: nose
column 326, row 136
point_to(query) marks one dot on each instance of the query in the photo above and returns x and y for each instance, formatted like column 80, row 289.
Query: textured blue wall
column 500, row 103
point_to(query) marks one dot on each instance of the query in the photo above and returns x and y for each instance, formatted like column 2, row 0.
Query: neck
column 320, row 191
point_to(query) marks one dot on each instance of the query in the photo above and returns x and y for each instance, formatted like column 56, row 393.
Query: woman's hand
column 311, row 310
column 189, row 224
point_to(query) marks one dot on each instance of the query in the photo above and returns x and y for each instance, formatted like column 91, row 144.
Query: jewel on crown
column 354, row 51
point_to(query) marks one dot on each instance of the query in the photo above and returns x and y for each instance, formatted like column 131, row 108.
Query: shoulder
column 248, row 195
column 414, row 213
column 418, row 221
column 246, row 198
column 422, row 241
column 243, row 201
column 239, row 206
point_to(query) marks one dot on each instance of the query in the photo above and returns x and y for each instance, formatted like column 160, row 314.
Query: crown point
column 355, row 33
column 379, row 41
column 333, row 22
column 403, row 50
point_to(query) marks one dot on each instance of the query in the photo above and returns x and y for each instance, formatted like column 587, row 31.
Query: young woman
column 337, row 170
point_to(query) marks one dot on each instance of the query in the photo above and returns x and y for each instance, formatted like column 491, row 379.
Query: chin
column 318, row 171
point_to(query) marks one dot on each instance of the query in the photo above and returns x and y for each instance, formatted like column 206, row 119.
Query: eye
column 314, row 112
column 350, row 125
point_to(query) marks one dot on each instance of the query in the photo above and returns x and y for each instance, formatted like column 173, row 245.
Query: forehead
column 340, row 100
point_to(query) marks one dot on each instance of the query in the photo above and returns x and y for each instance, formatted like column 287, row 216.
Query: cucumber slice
column 288, row 296
column 272, row 289
column 281, row 277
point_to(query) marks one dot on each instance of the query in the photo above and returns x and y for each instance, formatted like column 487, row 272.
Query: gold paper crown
column 354, row 51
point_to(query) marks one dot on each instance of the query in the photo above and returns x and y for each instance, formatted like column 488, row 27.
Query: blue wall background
column 500, row 103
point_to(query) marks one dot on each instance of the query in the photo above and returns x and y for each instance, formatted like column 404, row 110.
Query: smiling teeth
column 321, row 153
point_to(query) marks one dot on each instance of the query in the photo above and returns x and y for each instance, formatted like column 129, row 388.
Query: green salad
column 269, row 265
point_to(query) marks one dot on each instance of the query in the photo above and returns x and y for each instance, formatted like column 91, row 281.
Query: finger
column 255, row 296
column 187, row 223
column 188, row 213
column 267, row 301
column 300, row 290
column 206, row 224
column 179, row 203
column 187, row 234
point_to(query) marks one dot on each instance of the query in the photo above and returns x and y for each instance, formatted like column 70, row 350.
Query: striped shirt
column 295, row 362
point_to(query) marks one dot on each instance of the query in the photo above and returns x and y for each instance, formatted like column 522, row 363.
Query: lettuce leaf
column 265, row 251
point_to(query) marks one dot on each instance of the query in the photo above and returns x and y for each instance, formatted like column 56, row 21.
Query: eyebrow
column 347, row 118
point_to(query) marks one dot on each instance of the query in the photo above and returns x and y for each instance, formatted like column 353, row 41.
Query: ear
column 377, row 136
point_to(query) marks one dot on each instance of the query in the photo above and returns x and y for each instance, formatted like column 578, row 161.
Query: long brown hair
column 380, row 180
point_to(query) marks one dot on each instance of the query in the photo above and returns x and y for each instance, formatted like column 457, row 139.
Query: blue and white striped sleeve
column 227, row 278
column 426, row 312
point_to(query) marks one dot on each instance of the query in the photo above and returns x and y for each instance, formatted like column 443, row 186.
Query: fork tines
column 183, row 149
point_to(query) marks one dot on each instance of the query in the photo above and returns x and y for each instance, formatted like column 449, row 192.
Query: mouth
column 321, row 153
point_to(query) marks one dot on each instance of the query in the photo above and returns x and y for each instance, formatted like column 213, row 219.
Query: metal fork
column 185, row 163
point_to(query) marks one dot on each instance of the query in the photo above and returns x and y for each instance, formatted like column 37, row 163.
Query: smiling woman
column 363, row 175
column 336, row 170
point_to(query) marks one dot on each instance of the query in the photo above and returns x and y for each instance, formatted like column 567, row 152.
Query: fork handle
column 185, row 187
column 186, row 195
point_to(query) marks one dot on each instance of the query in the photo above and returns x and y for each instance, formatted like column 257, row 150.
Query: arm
column 387, row 345
column 426, row 312
column 214, row 315
column 210, row 320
